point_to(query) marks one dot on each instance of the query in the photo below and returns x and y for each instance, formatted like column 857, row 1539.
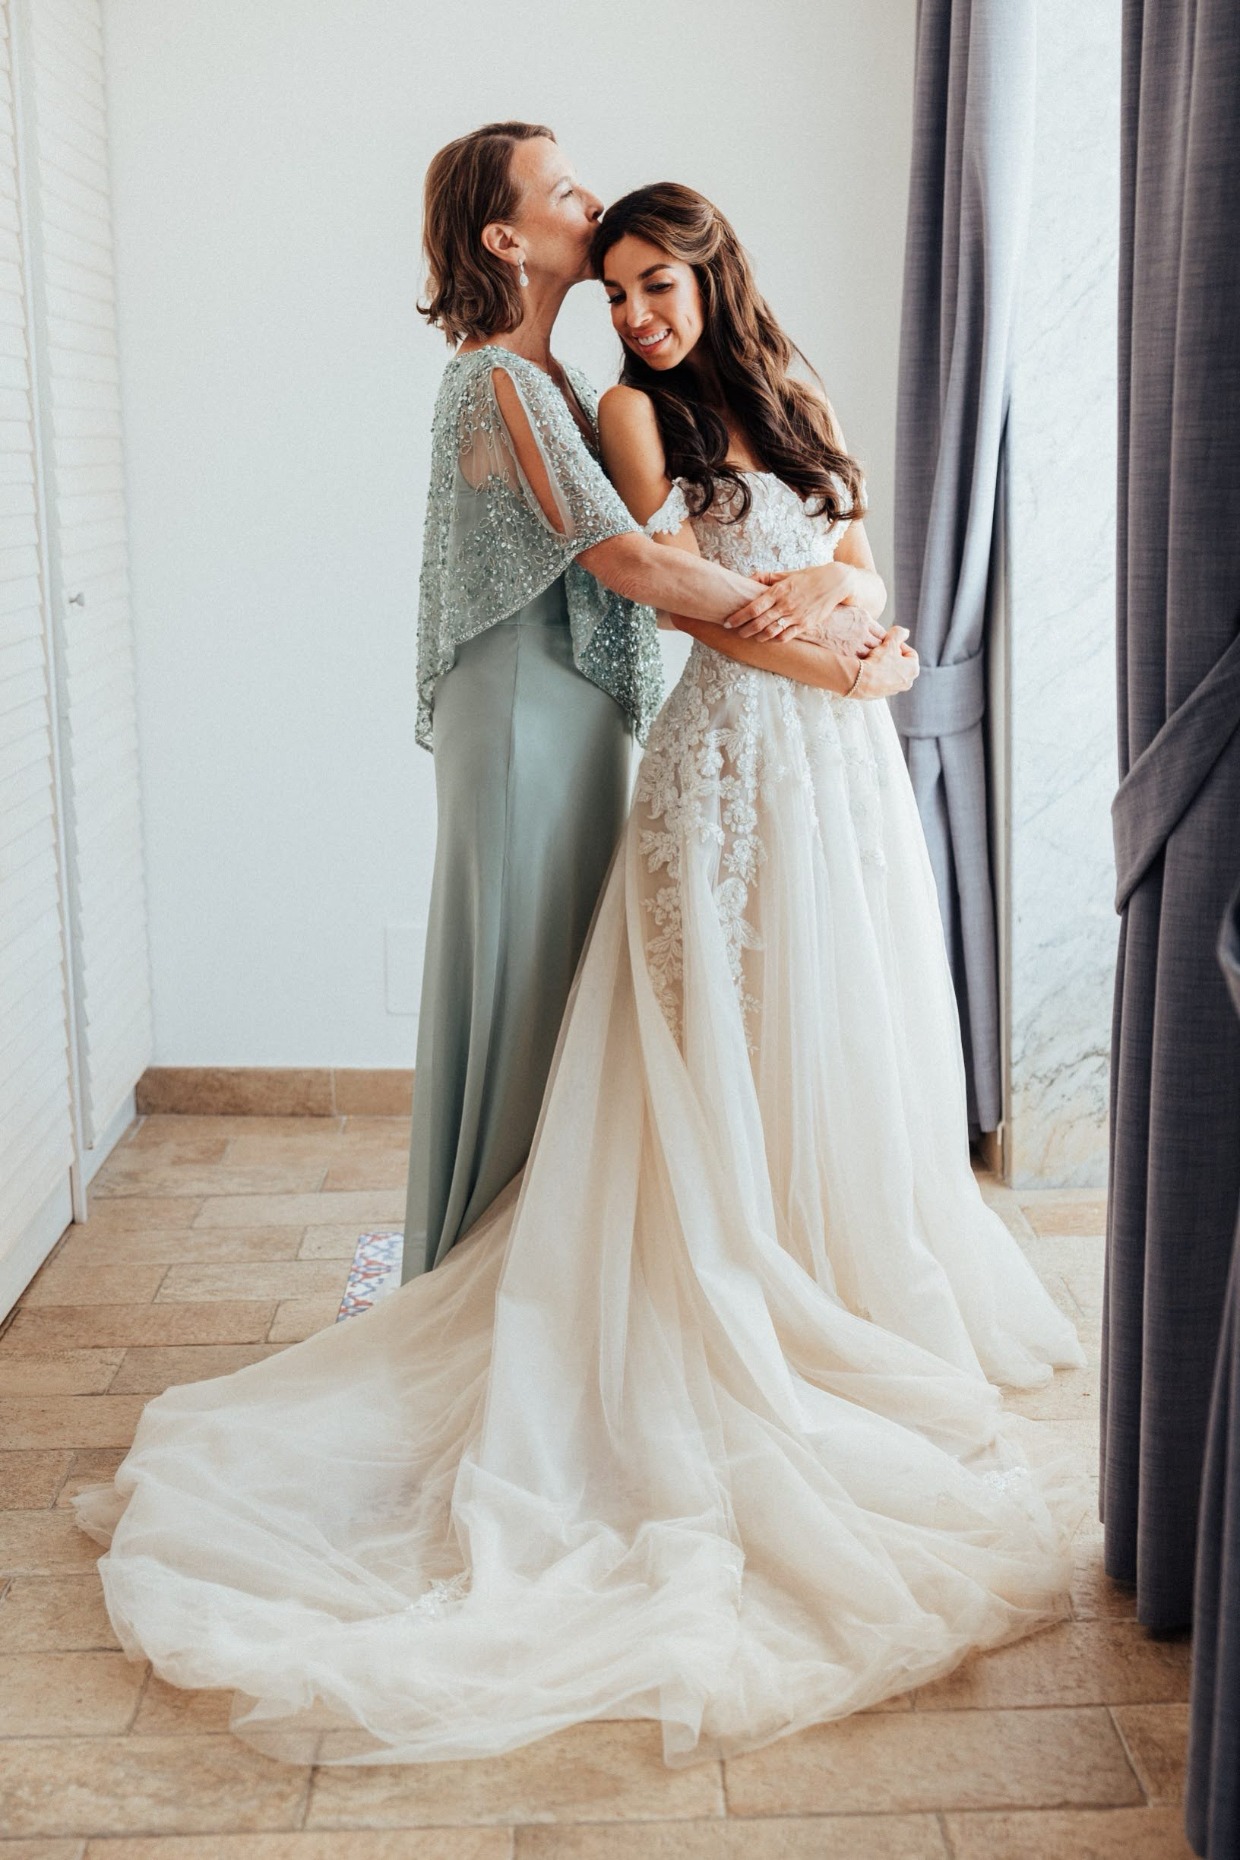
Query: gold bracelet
column 853, row 686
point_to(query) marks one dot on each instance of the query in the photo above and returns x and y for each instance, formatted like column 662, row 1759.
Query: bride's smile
column 656, row 307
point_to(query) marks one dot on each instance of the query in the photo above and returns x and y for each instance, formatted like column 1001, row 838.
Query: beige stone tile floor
column 216, row 1240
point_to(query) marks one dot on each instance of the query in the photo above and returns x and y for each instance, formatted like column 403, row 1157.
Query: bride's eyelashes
column 652, row 290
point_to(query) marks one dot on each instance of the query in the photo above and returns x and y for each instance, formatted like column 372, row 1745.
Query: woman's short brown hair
column 469, row 183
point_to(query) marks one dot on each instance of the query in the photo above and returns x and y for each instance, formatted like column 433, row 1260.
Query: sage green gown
column 533, row 682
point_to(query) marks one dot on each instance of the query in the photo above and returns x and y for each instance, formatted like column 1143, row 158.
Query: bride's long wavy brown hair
column 787, row 425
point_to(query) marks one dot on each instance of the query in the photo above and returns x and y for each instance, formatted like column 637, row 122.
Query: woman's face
column 555, row 215
column 656, row 302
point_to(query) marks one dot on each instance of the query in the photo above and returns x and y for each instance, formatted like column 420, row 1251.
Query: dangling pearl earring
column 522, row 276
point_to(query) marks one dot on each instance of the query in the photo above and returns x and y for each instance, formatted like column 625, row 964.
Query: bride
column 698, row 1422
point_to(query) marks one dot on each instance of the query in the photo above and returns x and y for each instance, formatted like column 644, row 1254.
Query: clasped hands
column 816, row 605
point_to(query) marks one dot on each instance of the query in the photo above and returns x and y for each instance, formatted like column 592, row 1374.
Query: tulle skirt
column 699, row 1422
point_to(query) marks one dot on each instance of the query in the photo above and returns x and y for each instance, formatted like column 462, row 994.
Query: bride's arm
column 820, row 666
column 633, row 455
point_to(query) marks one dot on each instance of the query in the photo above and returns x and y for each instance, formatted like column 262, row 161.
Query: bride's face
column 556, row 216
column 656, row 305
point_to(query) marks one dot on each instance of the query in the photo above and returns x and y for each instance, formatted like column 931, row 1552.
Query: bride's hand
column 891, row 667
column 813, row 604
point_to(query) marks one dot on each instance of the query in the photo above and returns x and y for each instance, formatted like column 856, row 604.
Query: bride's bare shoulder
column 628, row 415
column 629, row 434
column 632, row 449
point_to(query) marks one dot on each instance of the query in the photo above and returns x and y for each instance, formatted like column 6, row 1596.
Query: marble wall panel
column 1060, row 614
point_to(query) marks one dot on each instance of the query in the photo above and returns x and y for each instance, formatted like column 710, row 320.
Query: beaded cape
column 488, row 547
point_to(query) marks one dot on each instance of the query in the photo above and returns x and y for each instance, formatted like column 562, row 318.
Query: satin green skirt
column 531, row 788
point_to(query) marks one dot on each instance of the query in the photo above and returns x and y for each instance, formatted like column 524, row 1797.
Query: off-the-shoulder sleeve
column 589, row 507
column 672, row 513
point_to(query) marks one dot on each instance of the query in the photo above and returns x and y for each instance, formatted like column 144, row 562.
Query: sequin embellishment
column 488, row 548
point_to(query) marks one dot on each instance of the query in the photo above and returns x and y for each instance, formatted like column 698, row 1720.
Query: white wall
column 277, row 385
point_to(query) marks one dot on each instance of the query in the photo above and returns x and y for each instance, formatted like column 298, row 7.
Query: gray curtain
column 1175, row 1063
column 1212, row 1809
column 971, row 170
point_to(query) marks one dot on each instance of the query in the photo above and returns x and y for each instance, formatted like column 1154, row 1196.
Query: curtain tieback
column 944, row 700
column 1164, row 780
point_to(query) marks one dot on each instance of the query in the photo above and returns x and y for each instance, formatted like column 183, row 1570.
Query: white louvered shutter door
column 36, row 1124
column 80, row 427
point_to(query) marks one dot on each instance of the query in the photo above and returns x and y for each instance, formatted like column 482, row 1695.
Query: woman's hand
column 817, row 605
column 849, row 630
column 891, row 667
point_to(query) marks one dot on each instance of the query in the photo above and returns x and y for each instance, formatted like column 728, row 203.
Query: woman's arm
column 831, row 603
column 631, row 564
column 890, row 667
column 819, row 666
column 635, row 566
column 633, row 455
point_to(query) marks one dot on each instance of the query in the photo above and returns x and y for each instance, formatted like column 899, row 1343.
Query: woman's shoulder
column 627, row 409
column 471, row 364
column 479, row 371
column 492, row 355
column 479, row 384
column 634, row 455
column 460, row 372
column 628, row 426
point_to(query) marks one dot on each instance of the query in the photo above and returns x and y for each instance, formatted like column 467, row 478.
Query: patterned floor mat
column 375, row 1271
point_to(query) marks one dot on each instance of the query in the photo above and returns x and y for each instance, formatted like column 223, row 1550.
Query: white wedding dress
column 698, row 1423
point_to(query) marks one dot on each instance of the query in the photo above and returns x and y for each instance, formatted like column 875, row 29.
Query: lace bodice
column 730, row 745
column 776, row 532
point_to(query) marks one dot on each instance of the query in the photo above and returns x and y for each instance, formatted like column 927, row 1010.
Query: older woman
column 535, row 667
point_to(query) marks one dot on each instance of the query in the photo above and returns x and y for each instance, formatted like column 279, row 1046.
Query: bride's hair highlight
column 786, row 423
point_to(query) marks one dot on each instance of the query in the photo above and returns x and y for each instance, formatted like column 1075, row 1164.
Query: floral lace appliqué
column 699, row 785
column 438, row 1598
column 710, row 768
column 1017, row 1479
